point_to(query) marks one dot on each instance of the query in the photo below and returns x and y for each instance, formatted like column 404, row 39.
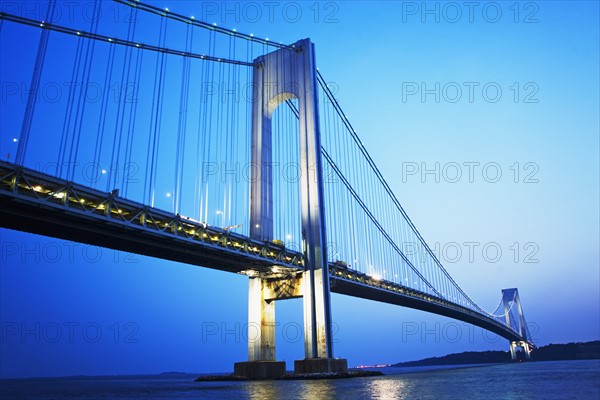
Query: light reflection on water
column 309, row 390
column 525, row 381
column 300, row 390
column 263, row 390
column 385, row 387
column 390, row 388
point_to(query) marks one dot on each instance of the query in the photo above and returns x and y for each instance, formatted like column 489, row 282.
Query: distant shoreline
column 190, row 376
column 551, row 352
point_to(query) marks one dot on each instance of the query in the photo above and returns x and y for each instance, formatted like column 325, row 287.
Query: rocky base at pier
column 351, row 373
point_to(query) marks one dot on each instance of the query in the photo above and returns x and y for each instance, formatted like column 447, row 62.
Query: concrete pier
column 259, row 369
column 320, row 365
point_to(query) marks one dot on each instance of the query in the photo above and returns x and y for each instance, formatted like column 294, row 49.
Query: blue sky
column 120, row 313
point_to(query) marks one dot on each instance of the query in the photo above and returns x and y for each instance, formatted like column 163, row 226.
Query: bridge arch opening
column 286, row 172
column 275, row 101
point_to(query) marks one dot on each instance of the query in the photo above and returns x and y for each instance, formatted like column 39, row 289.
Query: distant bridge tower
column 512, row 296
column 279, row 76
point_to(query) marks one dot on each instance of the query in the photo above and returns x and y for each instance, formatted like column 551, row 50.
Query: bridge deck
column 38, row 203
column 34, row 202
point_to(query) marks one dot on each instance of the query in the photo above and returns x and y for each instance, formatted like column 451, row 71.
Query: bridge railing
column 35, row 189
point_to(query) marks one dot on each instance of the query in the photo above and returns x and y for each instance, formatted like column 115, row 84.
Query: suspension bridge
column 183, row 140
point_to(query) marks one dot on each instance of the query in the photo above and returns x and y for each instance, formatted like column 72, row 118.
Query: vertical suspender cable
column 226, row 92
column 132, row 119
column 181, row 129
column 69, row 107
column 121, row 106
column 199, row 143
column 102, row 116
column 155, row 119
column 210, row 74
column 237, row 140
column 34, row 89
column 219, row 150
column 77, row 127
column 253, row 170
column 159, row 108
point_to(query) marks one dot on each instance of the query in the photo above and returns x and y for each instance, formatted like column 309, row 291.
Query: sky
column 483, row 119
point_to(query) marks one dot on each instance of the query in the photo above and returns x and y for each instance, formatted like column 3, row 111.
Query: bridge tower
column 289, row 73
column 512, row 296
